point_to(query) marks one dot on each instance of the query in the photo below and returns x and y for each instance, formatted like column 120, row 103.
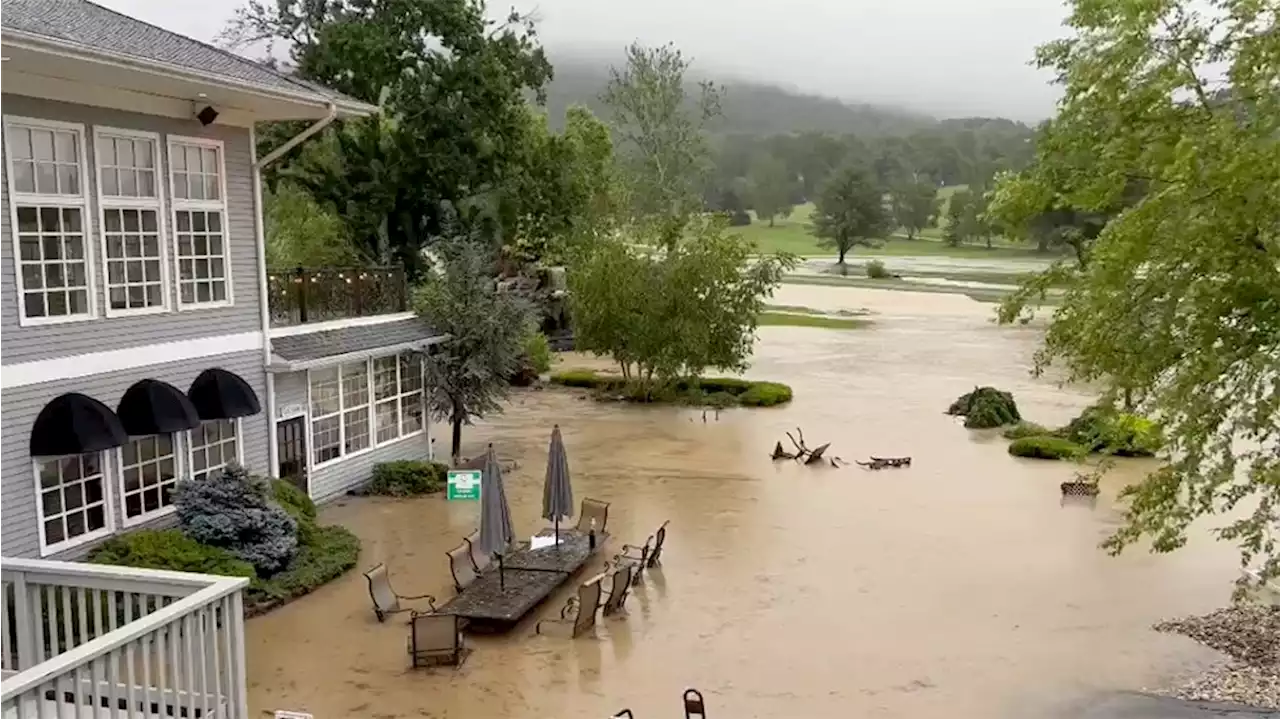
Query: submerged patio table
column 568, row 556
column 489, row 600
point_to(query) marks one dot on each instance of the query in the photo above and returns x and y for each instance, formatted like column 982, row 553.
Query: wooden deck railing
column 301, row 295
column 93, row 640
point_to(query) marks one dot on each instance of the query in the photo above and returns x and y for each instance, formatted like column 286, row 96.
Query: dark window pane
column 53, row 531
column 97, row 518
column 75, row 524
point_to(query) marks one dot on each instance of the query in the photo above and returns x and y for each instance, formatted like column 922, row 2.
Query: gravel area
column 1250, row 636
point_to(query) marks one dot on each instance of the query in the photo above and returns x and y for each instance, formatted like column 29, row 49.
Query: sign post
column 464, row 485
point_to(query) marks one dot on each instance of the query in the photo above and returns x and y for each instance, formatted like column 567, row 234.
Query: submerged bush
column 877, row 271
column 407, row 478
column 1027, row 429
column 765, row 394
column 169, row 549
column 235, row 511
column 710, row 391
column 1046, row 447
column 985, row 407
column 1104, row 429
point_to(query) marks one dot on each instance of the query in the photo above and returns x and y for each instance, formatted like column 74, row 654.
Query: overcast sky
column 946, row 57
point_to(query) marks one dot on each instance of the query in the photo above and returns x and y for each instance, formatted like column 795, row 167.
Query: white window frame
column 177, row 205
column 374, row 444
column 157, row 204
column 108, row 504
column 179, row 473
column 340, row 415
column 190, row 442
column 64, row 201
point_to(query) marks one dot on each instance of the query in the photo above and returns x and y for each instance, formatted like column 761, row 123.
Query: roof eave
column 321, row 103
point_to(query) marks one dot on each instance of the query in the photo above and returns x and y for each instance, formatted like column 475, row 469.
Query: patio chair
column 636, row 557
column 694, row 706
column 659, row 538
column 435, row 639
column 619, row 587
column 385, row 599
column 479, row 559
column 461, row 566
column 593, row 509
column 584, row 608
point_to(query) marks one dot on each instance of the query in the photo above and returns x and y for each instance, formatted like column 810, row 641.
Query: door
column 291, row 443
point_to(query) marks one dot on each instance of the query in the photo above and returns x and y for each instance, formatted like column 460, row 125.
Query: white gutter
column 264, row 299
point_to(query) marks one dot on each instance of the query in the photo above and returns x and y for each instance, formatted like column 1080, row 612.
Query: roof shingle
column 86, row 23
column 351, row 340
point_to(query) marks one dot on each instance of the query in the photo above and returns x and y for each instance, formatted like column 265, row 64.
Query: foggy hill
column 752, row 108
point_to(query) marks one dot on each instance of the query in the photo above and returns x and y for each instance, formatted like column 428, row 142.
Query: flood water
column 956, row 588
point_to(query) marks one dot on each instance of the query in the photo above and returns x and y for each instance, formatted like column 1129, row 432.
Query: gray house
column 143, row 339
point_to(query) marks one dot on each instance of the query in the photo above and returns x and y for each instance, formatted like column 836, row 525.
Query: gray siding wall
column 23, row 344
column 333, row 480
column 19, row 532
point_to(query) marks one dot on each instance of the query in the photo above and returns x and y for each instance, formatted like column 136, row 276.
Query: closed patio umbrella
column 495, row 515
column 557, row 493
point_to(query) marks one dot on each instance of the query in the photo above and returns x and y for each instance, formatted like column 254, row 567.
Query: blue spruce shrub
column 235, row 511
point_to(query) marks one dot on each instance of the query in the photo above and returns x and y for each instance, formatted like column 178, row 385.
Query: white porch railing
column 87, row 640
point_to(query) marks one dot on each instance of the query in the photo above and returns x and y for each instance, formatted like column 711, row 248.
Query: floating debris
column 1250, row 635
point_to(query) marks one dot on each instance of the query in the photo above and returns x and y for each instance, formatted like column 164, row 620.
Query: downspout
column 260, row 232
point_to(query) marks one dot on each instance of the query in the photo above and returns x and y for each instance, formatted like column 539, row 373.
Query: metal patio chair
column 385, row 599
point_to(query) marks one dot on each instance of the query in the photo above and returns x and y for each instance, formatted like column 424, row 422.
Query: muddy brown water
column 956, row 588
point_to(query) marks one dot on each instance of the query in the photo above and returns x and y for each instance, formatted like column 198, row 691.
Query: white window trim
column 312, row 465
column 24, row 198
column 342, row 424
column 191, row 445
column 135, row 203
column 176, row 205
column 108, row 503
column 181, row 460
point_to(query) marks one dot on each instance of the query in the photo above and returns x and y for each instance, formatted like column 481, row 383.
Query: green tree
column 663, row 151
column 967, row 218
column 467, row 378
column 1179, row 303
column 453, row 87
column 850, row 211
column 771, row 187
column 302, row 233
column 668, row 314
column 915, row 205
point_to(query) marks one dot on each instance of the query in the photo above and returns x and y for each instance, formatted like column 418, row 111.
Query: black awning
column 219, row 394
column 154, row 407
column 74, row 423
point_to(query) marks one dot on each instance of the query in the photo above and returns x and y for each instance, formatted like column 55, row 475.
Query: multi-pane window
column 196, row 172
column 72, row 505
column 46, row 165
column 128, row 165
column 148, row 474
column 362, row 404
column 214, row 445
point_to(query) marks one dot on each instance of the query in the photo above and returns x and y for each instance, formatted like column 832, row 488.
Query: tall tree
column 467, row 378
column 850, row 211
column 771, row 188
column 661, row 143
column 1179, row 303
column 915, row 205
column 452, row 85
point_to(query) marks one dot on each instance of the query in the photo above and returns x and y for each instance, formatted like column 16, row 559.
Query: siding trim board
column 85, row 365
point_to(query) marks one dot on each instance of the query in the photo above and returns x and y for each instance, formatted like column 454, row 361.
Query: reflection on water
column 959, row 587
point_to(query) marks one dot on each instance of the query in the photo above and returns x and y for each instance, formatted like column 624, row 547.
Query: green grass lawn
column 792, row 235
column 811, row 320
column 977, row 293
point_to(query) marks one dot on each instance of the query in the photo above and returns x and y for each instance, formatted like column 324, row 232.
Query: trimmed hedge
column 406, row 478
column 1027, row 429
column 299, row 506
column 705, row 391
column 1046, row 447
column 333, row 551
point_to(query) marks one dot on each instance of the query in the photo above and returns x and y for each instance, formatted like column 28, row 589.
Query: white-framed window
column 131, row 212
column 48, row 205
column 212, row 446
column 197, row 181
column 72, row 504
column 360, row 405
column 148, row 469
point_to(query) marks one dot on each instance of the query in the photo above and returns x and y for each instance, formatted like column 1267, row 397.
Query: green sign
column 464, row 484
